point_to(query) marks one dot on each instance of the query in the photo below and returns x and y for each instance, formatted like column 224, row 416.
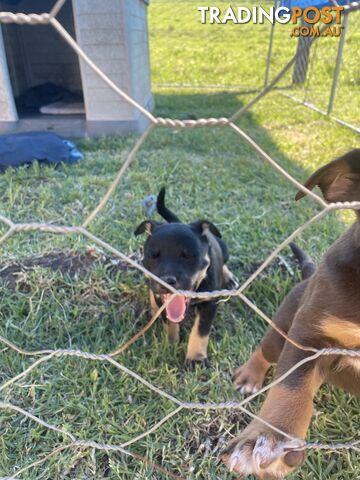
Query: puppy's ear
column 339, row 180
column 147, row 226
column 203, row 226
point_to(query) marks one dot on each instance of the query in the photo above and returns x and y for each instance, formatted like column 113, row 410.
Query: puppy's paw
column 232, row 283
column 191, row 363
column 263, row 453
column 247, row 381
column 249, row 378
column 230, row 280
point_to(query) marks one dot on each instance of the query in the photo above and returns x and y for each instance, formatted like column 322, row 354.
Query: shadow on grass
column 193, row 106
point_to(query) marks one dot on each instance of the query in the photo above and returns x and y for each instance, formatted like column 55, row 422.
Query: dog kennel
column 45, row 86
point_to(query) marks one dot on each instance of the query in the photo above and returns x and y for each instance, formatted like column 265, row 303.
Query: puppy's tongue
column 175, row 311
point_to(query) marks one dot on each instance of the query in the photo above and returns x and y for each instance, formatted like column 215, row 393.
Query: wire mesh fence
column 326, row 74
column 74, row 440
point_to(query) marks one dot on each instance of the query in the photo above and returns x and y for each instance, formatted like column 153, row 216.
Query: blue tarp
column 23, row 148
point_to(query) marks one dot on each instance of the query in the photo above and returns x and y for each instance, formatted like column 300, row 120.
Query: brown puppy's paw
column 249, row 378
column 260, row 452
column 190, row 364
column 247, row 381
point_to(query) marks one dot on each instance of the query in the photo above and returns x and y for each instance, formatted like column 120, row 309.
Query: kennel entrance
column 40, row 68
column 44, row 72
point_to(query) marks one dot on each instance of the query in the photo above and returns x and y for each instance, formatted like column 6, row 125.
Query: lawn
column 94, row 303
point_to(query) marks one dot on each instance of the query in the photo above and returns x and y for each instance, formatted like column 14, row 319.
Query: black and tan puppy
column 187, row 257
column 322, row 311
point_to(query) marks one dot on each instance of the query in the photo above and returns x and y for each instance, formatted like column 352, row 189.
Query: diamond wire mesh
column 326, row 75
column 346, row 105
column 46, row 355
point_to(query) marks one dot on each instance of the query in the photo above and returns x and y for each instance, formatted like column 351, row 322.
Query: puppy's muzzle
column 170, row 279
column 161, row 289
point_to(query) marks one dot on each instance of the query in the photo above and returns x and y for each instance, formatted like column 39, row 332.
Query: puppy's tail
column 167, row 214
column 307, row 266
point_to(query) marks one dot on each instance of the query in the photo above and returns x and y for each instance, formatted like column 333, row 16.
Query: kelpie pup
column 322, row 311
column 187, row 257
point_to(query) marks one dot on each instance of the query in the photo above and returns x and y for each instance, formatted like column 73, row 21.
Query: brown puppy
column 322, row 311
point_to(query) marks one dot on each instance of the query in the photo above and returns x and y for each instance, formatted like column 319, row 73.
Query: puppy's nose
column 169, row 279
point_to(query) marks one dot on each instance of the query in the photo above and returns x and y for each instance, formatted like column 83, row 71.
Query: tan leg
column 154, row 305
column 172, row 331
column 265, row 453
column 249, row 377
column 197, row 345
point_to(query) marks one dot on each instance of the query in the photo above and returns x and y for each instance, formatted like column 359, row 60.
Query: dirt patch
column 66, row 262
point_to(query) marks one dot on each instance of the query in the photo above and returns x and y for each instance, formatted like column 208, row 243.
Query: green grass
column 235, row 55
column 209, row 173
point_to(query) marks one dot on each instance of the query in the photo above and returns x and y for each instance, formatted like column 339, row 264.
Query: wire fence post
column 338, row 64
column 271, row 42
column 302, row 60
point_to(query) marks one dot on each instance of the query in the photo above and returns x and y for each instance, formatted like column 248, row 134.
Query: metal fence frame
column 302, row 64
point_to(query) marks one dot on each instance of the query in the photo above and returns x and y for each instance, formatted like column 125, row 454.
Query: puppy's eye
column 186, row 255
column 154, row 254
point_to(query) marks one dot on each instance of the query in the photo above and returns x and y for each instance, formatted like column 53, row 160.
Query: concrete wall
column 116, row 40
column 101, row 34
column 138, row 45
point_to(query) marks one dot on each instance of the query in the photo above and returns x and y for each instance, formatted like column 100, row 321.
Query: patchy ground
column 13, row 273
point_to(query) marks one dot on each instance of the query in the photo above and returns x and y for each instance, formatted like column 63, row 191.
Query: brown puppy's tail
column 167, row 214
column 307, row 266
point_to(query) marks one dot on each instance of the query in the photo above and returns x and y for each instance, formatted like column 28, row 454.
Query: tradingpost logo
column 303, row 20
